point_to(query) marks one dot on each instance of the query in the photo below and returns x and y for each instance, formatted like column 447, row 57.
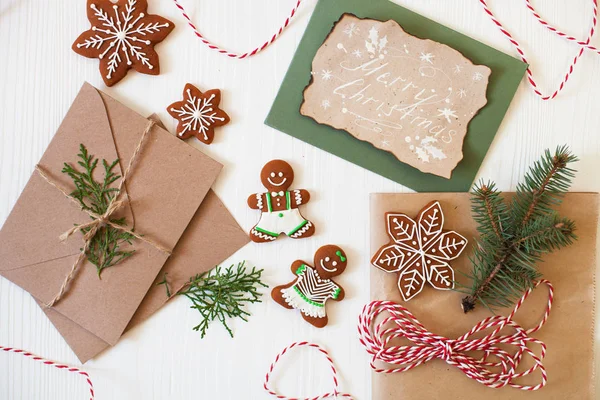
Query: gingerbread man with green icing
column 279, row 206
column 313, row 286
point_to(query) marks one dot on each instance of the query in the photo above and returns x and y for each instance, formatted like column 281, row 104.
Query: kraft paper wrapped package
column 568, row 333
column 168, row 199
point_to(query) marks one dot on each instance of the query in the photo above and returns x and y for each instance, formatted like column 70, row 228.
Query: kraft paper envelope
column 212, row 236
column 568, row 334
column 165, row 189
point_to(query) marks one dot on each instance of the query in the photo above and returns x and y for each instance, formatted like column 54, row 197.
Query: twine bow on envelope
column 99, row 221
column 496, row 368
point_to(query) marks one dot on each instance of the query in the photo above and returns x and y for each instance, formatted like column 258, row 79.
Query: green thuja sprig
column 513, row 237
column 105, row 247
column 221, row 294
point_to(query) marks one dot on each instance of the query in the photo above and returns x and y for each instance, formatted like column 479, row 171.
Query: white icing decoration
column 328, row 269
column 262, row 235
column 314, row 288
column 198, row 114
column 303, row 230
column 276, row 184
column 122, row 32
column 297, row 197
column 259, row 200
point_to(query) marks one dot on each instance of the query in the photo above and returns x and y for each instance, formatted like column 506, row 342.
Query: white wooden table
column 164, row 358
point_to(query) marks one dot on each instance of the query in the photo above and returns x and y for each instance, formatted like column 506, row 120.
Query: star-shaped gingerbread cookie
column 122, row 36
column 420, row 250
column 198, row 113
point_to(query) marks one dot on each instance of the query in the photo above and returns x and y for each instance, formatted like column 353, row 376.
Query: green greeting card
column 506, row 75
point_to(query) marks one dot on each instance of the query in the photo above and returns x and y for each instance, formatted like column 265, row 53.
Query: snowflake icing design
column 351, row 29
column 420, row 250
column 326, row 75
column 477, row 76
column 122, row 36
column 427, row 57
column 325, row 104
column 447, row 113
column 198, row 113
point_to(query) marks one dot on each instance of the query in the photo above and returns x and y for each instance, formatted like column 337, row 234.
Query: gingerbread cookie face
column 419, row 250
column 313, row 286
column 198, row 114
column 279, row 206
column 122, row 36
column 277, row 175
column 330, row 261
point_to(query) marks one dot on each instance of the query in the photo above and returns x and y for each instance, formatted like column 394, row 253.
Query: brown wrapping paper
column 165, row 189
column 212, row 236
column 568, row 333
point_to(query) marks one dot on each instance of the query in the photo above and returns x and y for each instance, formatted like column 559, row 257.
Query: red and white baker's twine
column 237, row 55
column 426, row 346
column 53, row 364
column 584, row 45
column 334, row 394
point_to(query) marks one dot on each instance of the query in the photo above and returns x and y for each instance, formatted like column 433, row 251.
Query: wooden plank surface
column 164, row 358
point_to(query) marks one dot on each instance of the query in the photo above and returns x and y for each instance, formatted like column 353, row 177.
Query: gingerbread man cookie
column 313, row 285
column 279, row 206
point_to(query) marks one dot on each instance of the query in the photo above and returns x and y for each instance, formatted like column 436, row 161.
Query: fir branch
column 105, row 247
column 490, row 212
column 513, row 240
column 220, row 295
column 543, row 186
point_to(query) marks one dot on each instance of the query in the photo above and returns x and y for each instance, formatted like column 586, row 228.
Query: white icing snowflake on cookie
column 420, row 250
column 122, row 36
column 198, row 113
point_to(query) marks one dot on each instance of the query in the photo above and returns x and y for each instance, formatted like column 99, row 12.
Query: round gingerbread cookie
column 279, row 206
column 122, row 36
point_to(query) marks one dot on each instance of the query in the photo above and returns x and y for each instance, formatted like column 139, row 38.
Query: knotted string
column 426, row 346
column 99, row 221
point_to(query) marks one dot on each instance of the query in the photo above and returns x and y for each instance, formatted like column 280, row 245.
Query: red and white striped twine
column 53, row 364
column 333, row 394
column 427, row 346
column 232, row 54
column 584, row 45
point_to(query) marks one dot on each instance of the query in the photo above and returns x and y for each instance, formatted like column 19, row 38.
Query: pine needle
column 105, row 247
column 221, row 294
column 512, row 240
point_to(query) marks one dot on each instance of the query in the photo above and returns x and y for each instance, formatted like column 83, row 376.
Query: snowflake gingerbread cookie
column 420, row 250
column 198, row 114
column 279, row 206
column 313, row 286
column 122, row 36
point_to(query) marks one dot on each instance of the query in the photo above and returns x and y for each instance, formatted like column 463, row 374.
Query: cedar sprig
column 105, row 247
column 221, row 294
column 512, row 239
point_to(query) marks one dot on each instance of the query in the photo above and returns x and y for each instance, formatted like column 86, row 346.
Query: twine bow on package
column 114, row 200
